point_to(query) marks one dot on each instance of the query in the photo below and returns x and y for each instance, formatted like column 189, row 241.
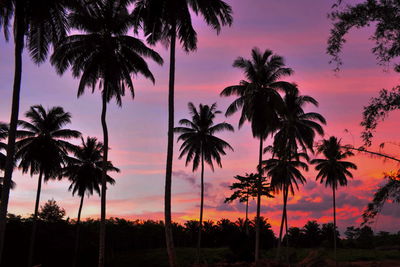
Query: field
column 297, row 257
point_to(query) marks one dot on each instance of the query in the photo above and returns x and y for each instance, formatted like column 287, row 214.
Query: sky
column 296, row 30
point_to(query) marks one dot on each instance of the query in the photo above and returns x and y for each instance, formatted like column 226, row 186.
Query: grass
column 158, row 257
column 187, row 256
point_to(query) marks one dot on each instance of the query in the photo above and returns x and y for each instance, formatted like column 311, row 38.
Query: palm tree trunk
column 34, row 223
column 247, row 216
column 278, row 251
column 5, row 194
column 257, row 249
column 102, row 243
column 201, row 209
column 170, row 150
column 286, row 226
column 77, row 235
column 334, row 222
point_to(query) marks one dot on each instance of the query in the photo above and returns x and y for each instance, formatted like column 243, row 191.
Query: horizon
column 138, row 129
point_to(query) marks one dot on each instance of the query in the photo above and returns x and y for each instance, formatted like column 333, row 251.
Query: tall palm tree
column 84, row 171
column 167, row 21
column 333, row 170
column 200, row 144
column 285, row 174
column 259, row 101
column 36, row 24
column 296, row 129
column 104, row 54
column 44, row 150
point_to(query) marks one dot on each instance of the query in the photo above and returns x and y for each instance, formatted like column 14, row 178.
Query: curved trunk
column 259, row 187
column 334, row 221
column 201, row 209
column 34, row 224
column 170, row 150
column 77, row 235
column 5, row 194
column 102, row 243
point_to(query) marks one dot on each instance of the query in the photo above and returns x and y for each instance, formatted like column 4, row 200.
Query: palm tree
column 44, row 150
column 333, row 170
column 104, row 54
column 296, row 129
column 36, row 24
column 84, row 172
column 200, row 144
column 167, row 21
column 285, row 176
column 260, row 101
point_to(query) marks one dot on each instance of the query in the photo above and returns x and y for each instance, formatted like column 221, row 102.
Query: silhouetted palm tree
column 296, row 129
column 259, row 101
column 200, row 144
column 104, row 54
column 84, row 172
column 36, row 24
column 44, row 150
column 333, row 170
column 285, row 174
column 165, row 21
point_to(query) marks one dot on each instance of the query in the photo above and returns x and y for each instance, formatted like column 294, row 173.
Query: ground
column 222, row 257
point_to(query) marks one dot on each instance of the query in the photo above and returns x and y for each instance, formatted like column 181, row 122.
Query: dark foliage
column 55, row 240
column 384, row 15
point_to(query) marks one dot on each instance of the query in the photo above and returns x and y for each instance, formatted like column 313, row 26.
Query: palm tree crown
column 198, row 137
column 84, row 170
column 161, row 19
column 297, row 128
column 42, row 23
column 258, row 96
column 333, row 170
column 284, row 172
column 45, row 147
column 103, row 52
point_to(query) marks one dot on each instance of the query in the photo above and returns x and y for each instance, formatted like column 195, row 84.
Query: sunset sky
column 297, row 30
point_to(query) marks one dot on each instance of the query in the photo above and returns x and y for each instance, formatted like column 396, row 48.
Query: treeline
column 56, row 237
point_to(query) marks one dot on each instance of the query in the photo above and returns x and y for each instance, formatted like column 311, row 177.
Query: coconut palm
column 333, row 170
column 201, row 145
column 167, row 21
column 259, row 101
column 36, row 25
column 103, row 54
column 296, row 129
column 44, row 150
column 84, row 172
column 285, row 174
